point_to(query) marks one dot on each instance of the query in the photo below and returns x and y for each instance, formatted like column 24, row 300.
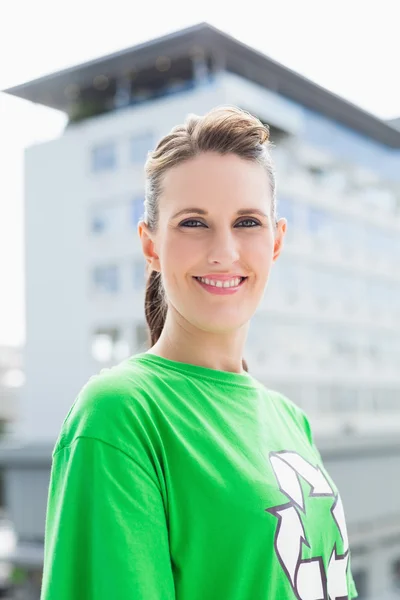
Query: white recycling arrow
column 288, row 480
column 309, row 580
column 313, row 475
column 289, row 539
column 337, row 580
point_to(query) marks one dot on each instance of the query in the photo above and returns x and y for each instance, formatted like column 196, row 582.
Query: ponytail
column 155, row 309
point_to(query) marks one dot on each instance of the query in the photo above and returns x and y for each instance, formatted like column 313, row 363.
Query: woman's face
column 214, row 223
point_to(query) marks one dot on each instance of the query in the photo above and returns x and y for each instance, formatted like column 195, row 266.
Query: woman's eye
column 192, row 223
column 248, row 223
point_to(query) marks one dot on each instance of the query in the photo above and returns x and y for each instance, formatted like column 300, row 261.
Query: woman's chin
column 222, row 325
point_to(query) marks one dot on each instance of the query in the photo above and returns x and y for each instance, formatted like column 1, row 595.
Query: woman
column 177, row 475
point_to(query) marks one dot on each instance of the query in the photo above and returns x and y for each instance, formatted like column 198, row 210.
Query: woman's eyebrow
column 197, row 211
column 200, row 211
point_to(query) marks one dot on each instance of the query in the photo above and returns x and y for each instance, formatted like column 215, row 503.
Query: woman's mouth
column 221, row 286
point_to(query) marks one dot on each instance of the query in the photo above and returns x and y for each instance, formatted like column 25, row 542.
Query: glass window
column 319, row 173
column 98, row 223
column 106, row 278
column 103, row 343
column 107, row 218
column 104, row 157
column 137, row 209
column 12, row 378
column 344, row 399
column 344, row 346
column 140, row 145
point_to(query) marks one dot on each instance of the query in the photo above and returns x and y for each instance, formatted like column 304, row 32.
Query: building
column 11, row 381
column 395, row 123
column 327, row 333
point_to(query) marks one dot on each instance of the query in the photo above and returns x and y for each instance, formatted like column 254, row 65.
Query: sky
column 343, row 46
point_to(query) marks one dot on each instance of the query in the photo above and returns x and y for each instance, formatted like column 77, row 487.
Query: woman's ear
column 279, row 237
column 147, row 239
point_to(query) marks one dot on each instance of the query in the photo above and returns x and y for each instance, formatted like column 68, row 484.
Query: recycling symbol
column 308, row 577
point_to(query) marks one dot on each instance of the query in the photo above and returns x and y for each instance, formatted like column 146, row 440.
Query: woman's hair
column 225, row 130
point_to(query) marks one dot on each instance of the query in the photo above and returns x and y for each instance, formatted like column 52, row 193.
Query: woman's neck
column 182, row 342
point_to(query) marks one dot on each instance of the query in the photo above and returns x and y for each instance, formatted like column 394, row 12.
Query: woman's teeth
column 218, row 283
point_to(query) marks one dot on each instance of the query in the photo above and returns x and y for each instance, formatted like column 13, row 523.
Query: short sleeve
column 351, row 586
column 106, row 531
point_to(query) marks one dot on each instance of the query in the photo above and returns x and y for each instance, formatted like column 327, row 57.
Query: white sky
column 344, row 46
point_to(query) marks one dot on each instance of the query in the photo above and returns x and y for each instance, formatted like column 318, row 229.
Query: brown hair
column 223, row 130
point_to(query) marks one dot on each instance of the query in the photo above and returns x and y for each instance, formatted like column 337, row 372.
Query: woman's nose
column 223, row 250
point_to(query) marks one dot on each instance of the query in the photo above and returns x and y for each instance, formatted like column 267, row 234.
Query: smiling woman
column 177, row 475
column 231, row 233
column 218, row 169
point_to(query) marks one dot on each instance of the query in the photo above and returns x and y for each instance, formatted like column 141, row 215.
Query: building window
column 106, row 278
column 103, row 343
column 140, row 146
column 344, row 399
column 137, row 210
column 107, row 219
column 12, row 378
column 109, row 346
column 139, row 273
column 98, row 223
column 104, row 157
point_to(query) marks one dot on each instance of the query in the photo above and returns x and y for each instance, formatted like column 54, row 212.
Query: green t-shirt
column 173, row 481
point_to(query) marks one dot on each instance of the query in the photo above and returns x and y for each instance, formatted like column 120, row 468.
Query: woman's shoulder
column 293, row 412
column 114, row 406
